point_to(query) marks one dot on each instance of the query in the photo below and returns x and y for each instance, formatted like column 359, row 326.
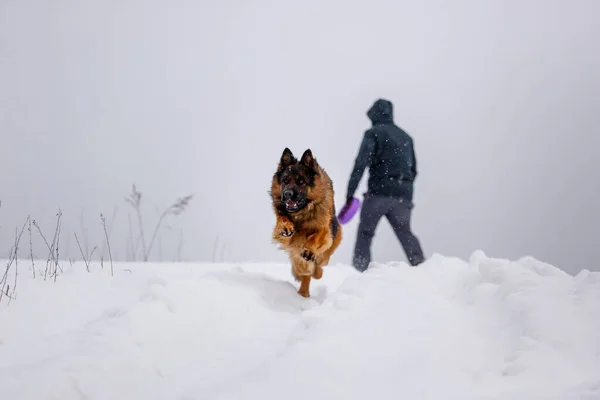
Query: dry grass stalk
column 5, row 291
column 175, row 209
column 135, row 200
column 180, row 245
column 31, row 248
column 51, row 248
column 108, row 231
column 107, row 243
column 56, row 257
column 85, row 260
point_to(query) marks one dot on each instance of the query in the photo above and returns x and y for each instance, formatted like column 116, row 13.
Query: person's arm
column 414, row 162
column 362, row 161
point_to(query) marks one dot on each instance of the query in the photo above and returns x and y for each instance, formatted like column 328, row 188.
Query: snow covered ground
column 449, row 329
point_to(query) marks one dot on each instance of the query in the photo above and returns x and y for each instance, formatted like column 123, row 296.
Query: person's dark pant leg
column 399, row 215
column 372, row 210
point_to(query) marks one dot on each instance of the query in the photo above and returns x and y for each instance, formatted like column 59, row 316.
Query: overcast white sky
column 181, row 97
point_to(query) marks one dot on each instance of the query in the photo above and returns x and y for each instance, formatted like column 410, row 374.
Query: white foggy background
column 179, row 97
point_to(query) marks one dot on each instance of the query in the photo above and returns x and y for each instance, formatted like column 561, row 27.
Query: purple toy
column 348, row 211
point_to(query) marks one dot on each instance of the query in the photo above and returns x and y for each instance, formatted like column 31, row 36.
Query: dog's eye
column 285, row 180
column 300, row 181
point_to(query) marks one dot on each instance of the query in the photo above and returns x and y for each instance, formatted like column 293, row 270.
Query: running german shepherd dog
column 306, row 226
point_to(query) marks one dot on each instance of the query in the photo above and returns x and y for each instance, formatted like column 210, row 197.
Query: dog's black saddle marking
column 334, row 224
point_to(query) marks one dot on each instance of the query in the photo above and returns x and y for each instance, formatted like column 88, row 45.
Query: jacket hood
column 381, row 111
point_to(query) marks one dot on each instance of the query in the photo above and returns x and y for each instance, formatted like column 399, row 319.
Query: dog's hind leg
column 324, row 258
column 297, row 277
column 318, row 273
column 320, row 262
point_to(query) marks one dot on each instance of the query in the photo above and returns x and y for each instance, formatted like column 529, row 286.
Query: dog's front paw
column 284, row 228
column 308, row 255
column 286, row 232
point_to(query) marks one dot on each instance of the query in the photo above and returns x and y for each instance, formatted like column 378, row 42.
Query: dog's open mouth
column 292, row 205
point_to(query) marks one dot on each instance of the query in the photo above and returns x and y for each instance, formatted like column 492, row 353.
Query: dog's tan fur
column 306, row 235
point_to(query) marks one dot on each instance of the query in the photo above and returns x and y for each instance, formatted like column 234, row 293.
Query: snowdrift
column 448, row 329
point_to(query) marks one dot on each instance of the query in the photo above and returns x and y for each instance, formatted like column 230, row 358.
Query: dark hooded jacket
column 388, row 152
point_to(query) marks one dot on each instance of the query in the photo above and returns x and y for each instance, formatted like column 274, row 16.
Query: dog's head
column 296, row 180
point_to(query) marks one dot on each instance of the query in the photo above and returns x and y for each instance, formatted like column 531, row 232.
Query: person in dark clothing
column 388, row 152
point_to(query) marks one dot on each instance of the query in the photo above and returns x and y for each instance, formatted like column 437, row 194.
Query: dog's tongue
column 291, row 203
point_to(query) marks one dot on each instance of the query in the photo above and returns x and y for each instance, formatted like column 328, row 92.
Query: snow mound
column 448, row 329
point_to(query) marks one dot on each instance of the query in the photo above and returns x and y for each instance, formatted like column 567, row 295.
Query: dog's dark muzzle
column 291, row 200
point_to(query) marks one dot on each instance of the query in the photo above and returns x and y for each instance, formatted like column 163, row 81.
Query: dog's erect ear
column 308, row 160
column 287, row 158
